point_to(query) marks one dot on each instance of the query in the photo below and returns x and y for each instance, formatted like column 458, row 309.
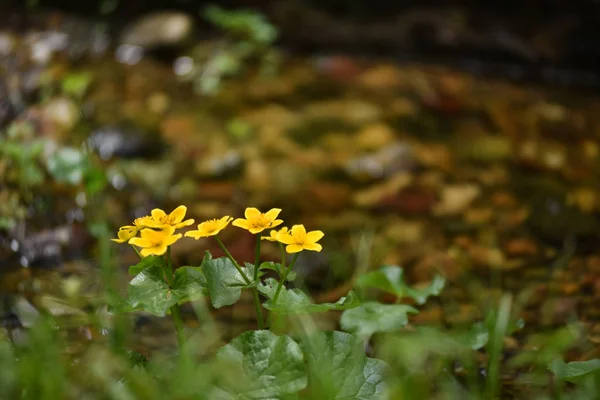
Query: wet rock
column 124, row 141
column 271, row 115
column 163, row 28
column 383, row 163
column 62, row 113
column 487, row 257
column 552, row 219
column 520, row 247
column 405, row 231
column 375, row 136
column 433, row 155
column 485, row 149
column 50, row 248
column 375, row 194
column 479, row 216
column 585, row 199
column 354, row 112
column 456, row 198
column 411, row 201
column 381, row 78
column 328, row 196
column 225, row 165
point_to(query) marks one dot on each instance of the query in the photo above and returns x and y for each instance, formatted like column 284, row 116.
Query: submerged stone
column 124, row 142
column 163, row 28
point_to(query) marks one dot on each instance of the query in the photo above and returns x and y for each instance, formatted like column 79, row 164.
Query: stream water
column 490, row 182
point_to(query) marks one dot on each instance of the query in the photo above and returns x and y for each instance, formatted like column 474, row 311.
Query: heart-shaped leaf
column 574, row 371
column 295, row 301
column 339, row 369
column 391, row 279
column 189, row 284
column 147, row 262
column 374, row 317
column 223, row 281
column 149, row 291
column 271, row 366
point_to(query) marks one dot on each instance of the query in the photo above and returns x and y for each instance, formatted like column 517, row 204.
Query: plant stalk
column 259, row 315
column 175, row 310
column 256, row 257
column 283, row 278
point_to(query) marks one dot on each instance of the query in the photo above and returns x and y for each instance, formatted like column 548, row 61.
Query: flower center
column 260, row 221
column 167, row 220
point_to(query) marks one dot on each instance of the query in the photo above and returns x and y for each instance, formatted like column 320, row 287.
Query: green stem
column 175, row 310
column 282, row 280
column 136, row 250
column 259, row 315
column 256, row 257
column 235, row 264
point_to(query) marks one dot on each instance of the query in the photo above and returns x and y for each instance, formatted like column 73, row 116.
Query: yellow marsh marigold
column 159, row 219
column 125, row 233
column 273, row 234
column 155, row 242
column 210, row 227
column 256, row 221
column 297, row 239
column 143, row 222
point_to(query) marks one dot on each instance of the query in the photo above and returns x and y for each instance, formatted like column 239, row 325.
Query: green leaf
column 67, row 165
column 148, row 291
column 269, row 265
column 223, row 281
column 189, row 284
column 476, row 338
column 271, row 366
column 339, row 369
column 295, row 301
column 574, row 371
column 374, row 317
column 76, row 84
column 147, row 262
column 391, row 279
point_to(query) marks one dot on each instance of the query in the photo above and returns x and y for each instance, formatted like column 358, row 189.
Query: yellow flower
column 273, row 234
column 160, row 219
column 256, row 221
column 297, row 239
column 125, row 233
column 143, row 222
column 155, row 242
column 210, row 227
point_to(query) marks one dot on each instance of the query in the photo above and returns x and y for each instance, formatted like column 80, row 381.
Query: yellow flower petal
column 125, row 233
column 144, row 222
column 195, row 234
column 140, row 242
column 251, row 213
column 293, row 248
column 169, row 240
column 178, row 214
column 241, row 223
column 312, row 246
column 299, row 233
column 183, row 224
column 158, row 214
column 276, row 222
column 272, row 213
column 314, row 236
column 154, row 251
column 285, row 238
column 210, row 227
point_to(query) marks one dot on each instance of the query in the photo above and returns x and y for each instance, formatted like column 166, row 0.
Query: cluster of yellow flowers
column 157, row 231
